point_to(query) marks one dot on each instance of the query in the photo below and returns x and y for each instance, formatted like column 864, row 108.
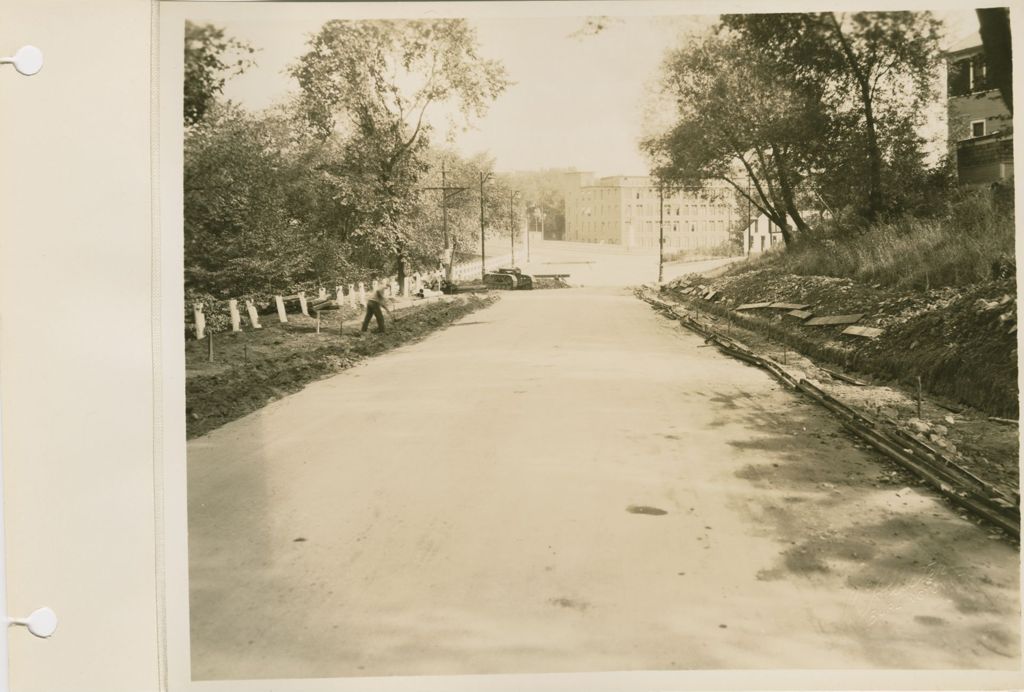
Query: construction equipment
column 509, row 278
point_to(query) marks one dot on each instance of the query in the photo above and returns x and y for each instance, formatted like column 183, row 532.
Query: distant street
column 566, row 481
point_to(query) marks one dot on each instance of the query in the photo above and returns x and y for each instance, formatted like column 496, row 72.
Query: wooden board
column 800, row 314
column 867, row 332
column 833, row 319
column 710, row 295
column 751, row 306
column 788, row 306
column 845, row 378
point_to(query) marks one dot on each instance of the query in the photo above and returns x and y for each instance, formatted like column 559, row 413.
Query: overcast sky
column 577, row 100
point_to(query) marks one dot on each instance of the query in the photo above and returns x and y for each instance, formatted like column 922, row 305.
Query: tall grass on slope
column 974, row 242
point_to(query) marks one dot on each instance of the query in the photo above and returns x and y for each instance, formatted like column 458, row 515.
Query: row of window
column 650, row 227
column 689, row 210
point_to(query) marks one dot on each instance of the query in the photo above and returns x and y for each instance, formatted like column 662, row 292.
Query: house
column 632, row 211
column 761, row 235
column 979, row 123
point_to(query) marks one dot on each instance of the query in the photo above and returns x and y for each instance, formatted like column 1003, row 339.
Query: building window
column 977, row 128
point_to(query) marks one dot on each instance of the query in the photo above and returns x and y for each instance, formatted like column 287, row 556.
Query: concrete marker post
column 362, row 294
column 200, row 319
column 236, row 319
column 302, row 303
column 322, row 293
column 254, row 317
column 281, row 313
column 352, row 294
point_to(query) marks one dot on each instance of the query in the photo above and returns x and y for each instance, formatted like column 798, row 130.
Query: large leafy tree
column 739, row 121
column 876, row 70
column 211, row 57
column 240, row 237
column 375, row 82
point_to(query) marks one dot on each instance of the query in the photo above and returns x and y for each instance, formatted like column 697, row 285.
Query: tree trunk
column 787, row 235
column 874, row 154
column 995, row 37
column 401, row 270
column 785, row 185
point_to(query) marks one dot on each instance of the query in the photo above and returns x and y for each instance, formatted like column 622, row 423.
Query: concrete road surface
column 594, row 264
column 566, row 481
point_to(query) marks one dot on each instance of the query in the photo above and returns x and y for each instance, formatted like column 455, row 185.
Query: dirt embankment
column 961, row 342
column 252, row 368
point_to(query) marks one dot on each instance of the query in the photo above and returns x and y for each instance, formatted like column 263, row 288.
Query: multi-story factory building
column 627, row 210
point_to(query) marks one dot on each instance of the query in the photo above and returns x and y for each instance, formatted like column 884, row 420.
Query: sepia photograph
column 536, row 338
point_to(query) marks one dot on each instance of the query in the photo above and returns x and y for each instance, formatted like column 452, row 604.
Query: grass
column 713, row 252
column 972, row 243
column 253, row 368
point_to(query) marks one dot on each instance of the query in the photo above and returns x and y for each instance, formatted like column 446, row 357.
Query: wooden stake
column 236, row 319
column 918, row 396
column 210, row 344
column 281, row 314
column 317, row 321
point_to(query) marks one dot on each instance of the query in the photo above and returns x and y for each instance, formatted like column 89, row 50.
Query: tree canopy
column 211, row 57
column 329, row 184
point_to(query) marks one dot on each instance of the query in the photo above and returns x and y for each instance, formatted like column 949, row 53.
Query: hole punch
column 42, row 622
column 28, row 60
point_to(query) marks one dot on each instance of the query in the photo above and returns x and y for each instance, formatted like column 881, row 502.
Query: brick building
column 625, row 210
column 980, row 125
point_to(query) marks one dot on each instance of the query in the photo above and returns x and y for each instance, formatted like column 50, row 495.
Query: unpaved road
column 461, row 506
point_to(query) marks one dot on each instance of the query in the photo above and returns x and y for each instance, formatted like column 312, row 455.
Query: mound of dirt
column 961, row 342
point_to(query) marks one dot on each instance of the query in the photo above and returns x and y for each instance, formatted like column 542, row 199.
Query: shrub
column 973, row 242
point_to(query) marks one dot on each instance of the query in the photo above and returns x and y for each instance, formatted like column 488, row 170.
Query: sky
column 578, row 101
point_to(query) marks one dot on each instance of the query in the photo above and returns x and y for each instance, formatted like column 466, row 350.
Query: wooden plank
column 800, row 314
column 788, row 306
column 844, row 378
column 866, row 332
column 710, row 295
column 751, row 306
column 833, row 319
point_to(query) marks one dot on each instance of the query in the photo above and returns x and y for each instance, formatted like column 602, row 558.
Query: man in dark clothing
column 376, row 301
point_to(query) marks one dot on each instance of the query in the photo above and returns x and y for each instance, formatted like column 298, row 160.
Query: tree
column 544, row 195
column 374, row 82
column 239, row 235
column 741, row 122
column 210, row 58
column 995, row 36
column 880, row 65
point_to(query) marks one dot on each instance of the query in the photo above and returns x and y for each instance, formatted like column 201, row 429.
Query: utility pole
column 483, row 252
column 661, row 231
column 527, row 243
column 750, row 234
column 512, row 225
column 444, row 206
column 445, row 189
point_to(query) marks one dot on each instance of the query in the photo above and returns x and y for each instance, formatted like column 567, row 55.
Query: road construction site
column 567, row 481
